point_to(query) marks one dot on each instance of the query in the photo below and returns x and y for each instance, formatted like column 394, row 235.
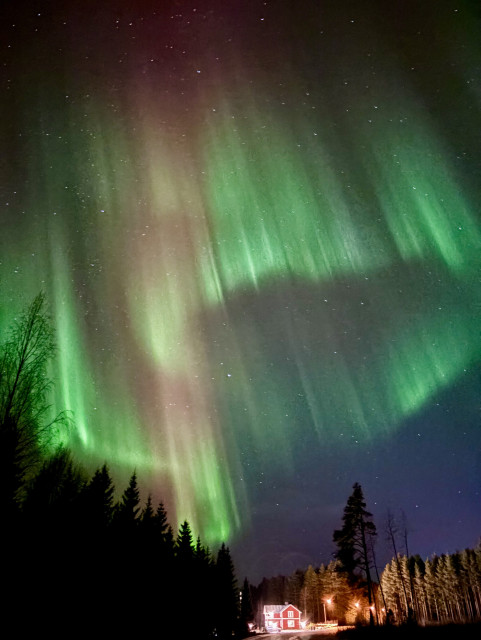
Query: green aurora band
column 147, row 257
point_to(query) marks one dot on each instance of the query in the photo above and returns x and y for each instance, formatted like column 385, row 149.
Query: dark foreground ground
column 412, row 632
column 407, row 632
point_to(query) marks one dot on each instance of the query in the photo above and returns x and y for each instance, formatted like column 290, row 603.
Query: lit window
column 290, row 623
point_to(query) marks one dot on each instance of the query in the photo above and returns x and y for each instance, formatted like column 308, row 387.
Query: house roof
column 278, row 608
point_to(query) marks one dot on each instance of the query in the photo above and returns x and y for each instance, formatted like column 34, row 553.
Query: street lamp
column 329, row 601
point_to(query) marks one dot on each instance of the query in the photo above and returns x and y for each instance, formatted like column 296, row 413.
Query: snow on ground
column 298, row 635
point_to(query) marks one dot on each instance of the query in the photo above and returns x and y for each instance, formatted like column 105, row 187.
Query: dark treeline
column 74, row 559
column 79, row 557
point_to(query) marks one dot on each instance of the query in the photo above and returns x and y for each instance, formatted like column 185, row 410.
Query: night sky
column 258, row 228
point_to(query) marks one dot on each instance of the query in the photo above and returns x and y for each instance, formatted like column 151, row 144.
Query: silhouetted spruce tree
column 149, row 536
column 181, row 568
column 161, row 519
column 201, row 553
column 184, row 545
column 169, row 539
column 164, row 545
column 352, row 541
column 97, row 550
column 127, row 509
column 205, row 606
column 227, row 595
column 151, row 564
column 124, row 551
column 147, row 517
column 98, row 498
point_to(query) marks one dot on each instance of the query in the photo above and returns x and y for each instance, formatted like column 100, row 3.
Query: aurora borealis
column 257, row 224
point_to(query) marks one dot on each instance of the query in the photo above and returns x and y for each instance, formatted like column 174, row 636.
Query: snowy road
column 299, row 635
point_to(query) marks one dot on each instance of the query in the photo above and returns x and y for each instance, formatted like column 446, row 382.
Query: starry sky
column 257, row 224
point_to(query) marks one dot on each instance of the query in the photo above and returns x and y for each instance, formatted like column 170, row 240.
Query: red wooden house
column 282, row 617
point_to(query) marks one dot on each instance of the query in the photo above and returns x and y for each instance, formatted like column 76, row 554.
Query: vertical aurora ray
column 93, row 435
column 275, row 211
column 152, row 284
column 70, row 363
column 427, row 215
column 278, row 210
column 277, row 218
